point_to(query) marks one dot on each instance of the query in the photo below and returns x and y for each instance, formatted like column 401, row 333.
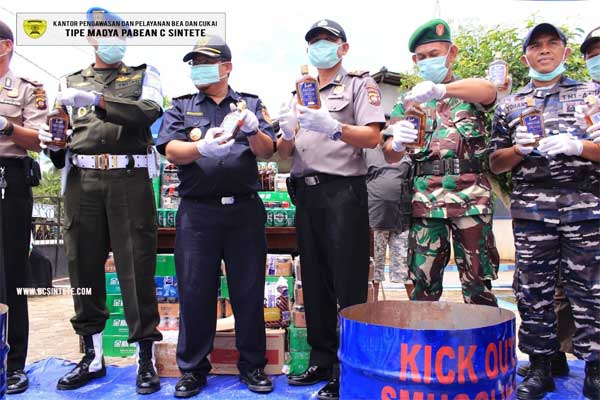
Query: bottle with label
column 592, row 116
column 233, row 121
column 58, row 122
column 533, row 120
column 499, row 71
column 307, row 90
column 416, row 116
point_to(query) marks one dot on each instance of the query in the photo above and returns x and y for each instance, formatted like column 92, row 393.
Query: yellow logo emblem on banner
column 35, row 28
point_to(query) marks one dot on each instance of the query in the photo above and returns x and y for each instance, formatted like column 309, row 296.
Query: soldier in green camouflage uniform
column 451, row 194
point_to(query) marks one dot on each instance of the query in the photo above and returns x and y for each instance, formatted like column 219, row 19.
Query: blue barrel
column 3, row 348
column 427, row 350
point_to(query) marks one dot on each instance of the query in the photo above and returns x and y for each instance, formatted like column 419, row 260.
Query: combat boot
column 591, row 384
column 90, row 367
column 147, row 380
column 538, row 381
column 558, row 365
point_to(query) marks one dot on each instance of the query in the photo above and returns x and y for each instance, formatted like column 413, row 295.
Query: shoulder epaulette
column 359, row 74
column 248, row 94
column 34, row 83
column 184, row 96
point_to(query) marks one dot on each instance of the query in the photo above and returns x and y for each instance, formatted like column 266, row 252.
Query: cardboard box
column 165, row 265
column 298, row 339
column 168, row 309
column 109, row 265
column 298, row 318
column 114, row 304
column 224, row 356
column 116, row 326
column 290, row 280
column 371, row 269
column 117, row 346
column 112, row 283
column 227, row 310
column 299, row 294
column 277, row 304
column 298, row 362
column 220, row 308
column 164, row 353
column 297, row 269
column 279, row 265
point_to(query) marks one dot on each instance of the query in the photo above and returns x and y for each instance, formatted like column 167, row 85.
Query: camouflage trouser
column 475, row 255
column 397, row 242
column 573, row 250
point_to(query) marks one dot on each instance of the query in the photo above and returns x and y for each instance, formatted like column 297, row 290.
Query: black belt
column 318, row 179
column 11, row 162
column 222, row 200
column 452, row 166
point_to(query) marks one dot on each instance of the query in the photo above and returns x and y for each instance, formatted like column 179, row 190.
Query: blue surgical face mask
column 205, row 74
column 593, row 66
column 111, row 53
column 433, row 69
column 323, row 54
column 538, row 76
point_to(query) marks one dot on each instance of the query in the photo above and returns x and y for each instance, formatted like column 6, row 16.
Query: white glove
column 250, row 121
column 404, row 132
column 425, row 91
column 580, row 111
column 288, row 121
column 317, row 120
column 213, row 145
column 594, row 132
column 77, row 98
column 46, row 137
column 522, row 139
column 563, row 143
column 3, row 123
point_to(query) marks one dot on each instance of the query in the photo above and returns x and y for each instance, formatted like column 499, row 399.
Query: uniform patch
column 194, row 113
column 40, row 98
column 339, row 89
column 195, row 134
column 81, row 112
column 13, row 93
column 122, row 78
column 439, row 29
column 374, row 96
column 265, row 114
column 136, row 77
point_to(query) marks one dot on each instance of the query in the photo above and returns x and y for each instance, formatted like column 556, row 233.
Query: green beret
column 436, row 30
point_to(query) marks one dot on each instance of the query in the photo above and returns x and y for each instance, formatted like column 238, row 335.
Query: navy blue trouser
column 206, row 234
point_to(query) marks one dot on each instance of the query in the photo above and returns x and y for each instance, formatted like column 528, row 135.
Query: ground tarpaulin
column 119, row 383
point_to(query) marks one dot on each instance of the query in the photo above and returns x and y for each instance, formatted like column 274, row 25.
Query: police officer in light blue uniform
column 220, row 216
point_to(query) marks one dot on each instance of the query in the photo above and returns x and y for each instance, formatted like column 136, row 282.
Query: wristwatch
column 8, row 129
column 337, row 132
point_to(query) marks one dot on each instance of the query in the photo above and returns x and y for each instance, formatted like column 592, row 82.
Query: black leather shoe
column 331, row 391
column 257, row 381
column 313, row 374
column 147, row 380
column 558, row 366
column 591, row 384
column 81, row 374
column 538, row 381
column 189, row 385
column 16, row 382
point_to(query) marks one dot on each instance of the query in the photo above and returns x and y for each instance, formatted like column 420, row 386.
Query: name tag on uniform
column 518, row 105
column 195, row 113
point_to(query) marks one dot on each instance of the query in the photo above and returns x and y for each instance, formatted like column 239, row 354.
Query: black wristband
column 8, row 130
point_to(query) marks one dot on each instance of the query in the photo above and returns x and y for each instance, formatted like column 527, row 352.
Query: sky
column 267, row 37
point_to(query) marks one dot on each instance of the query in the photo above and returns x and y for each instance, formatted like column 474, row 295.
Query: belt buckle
column 311, row 180
column 101, row 161
column 227, row 200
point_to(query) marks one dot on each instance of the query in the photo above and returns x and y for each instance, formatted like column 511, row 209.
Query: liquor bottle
column 233, row 121
column 533, row 120
column 416, row 116
column 592, row 116
column 499, row 71
column 58, row 122
column 307, row 90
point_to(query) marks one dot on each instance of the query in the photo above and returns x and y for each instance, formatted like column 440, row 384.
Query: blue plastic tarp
column 119, row 383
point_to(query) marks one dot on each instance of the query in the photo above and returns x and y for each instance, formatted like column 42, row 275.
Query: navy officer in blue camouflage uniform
column 220, row 216
column 555, row 209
